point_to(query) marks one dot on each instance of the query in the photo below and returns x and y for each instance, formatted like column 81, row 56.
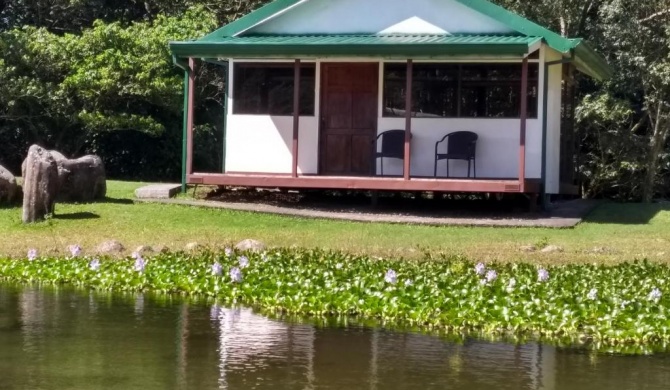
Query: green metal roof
column 585, row 58
column 357, row 45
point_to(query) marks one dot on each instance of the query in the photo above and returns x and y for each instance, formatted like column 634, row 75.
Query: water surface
column 68, row 339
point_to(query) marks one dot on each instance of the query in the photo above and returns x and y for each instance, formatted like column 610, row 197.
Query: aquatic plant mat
column 621, row 308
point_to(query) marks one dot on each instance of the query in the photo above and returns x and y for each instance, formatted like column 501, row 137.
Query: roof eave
column 588, row 61
column 212, row 49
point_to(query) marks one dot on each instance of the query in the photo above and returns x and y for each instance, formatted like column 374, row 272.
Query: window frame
column 234, row 89
column 533, row 82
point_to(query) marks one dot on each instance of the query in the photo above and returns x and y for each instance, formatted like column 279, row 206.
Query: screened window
column 460, row 90
column 267, row 89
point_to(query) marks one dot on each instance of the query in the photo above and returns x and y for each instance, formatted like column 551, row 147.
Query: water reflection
column 82, row 340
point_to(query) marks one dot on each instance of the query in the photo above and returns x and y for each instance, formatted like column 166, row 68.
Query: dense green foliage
column 615, row 305
column 96, row 76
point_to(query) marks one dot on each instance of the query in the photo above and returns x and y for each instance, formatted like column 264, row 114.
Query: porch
column 374, row 183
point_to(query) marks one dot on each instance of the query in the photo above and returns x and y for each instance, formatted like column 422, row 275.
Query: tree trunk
column 656, row 145
column 40, row 184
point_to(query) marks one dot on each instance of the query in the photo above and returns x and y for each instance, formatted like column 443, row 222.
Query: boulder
column 250, row 245
column 8, row 187
column 79, row 180
column 528, row 248
column 82, row 179
column 40, row 184
column 111, row 246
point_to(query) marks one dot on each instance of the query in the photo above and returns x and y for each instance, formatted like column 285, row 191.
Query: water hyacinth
column 32, row 254
column 75, row 250
column 444, row 295
column 391, row 277
column 228, row 251
column 480, row 269
column 243, row 262
column 236, row 275
column 217, row 269
column 94, row 265
column 140, row 264
column 510, row 285
column 592, row 295
column 542, row 275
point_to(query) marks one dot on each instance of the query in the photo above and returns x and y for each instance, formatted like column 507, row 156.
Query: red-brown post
column 408, row 120
column 189, row 117
column 296, row 116
column 523, row 116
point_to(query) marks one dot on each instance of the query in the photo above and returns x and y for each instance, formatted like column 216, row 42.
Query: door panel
column 349, row 100
column 338, row 147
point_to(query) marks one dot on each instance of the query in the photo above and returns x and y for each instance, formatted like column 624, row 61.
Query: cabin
column 397, row 95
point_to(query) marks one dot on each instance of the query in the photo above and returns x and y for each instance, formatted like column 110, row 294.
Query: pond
column 72, row 339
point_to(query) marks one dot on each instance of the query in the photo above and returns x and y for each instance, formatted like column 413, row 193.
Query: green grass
column 627, row 231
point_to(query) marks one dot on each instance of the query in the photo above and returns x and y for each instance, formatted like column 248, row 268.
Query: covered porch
column 341, row 104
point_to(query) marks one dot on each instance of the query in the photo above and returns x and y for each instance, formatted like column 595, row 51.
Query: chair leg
column 447, row 168
column 469, row 161
column 435, row 170
column 382, row 163
column 474, row 165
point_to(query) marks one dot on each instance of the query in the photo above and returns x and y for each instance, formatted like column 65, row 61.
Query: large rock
column 8, row 187
column 80, row 180
column 40, row 184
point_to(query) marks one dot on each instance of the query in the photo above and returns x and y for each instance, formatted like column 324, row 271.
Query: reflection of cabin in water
column 313, row 83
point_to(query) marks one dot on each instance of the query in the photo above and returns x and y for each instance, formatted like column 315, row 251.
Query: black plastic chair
column 461, row 145
column 393, row 146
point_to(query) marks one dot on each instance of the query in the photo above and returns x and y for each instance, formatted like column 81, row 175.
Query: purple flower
column 140, row 263
column 236, row 275
column 32, row 254
column 592, row 295
column 94, row 265
column 542, row 275
column 391, row 277
column 216, row 269
column 491, row 276
column 75, row 250
column 480, row 269
column 136, row 255
column 243, row 261
column 655, row 295
column 228, row 251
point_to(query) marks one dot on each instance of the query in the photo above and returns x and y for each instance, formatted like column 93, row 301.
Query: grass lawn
column 628, row 231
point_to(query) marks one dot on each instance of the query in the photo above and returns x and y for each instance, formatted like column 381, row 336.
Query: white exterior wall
column 497, row 146
column 381, row 16
column 554, row 96
column 263, row 143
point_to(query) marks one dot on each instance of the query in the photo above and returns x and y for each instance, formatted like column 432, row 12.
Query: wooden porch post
column 408, row 120
column 296, row 115
column 189, row 117
column 523, row 116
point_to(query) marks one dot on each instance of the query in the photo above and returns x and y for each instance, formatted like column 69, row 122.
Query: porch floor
column 389, row 183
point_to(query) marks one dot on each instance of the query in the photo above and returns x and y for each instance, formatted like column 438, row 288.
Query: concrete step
column 157, row 191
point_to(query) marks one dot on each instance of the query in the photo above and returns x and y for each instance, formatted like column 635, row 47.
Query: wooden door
column 348, row 118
